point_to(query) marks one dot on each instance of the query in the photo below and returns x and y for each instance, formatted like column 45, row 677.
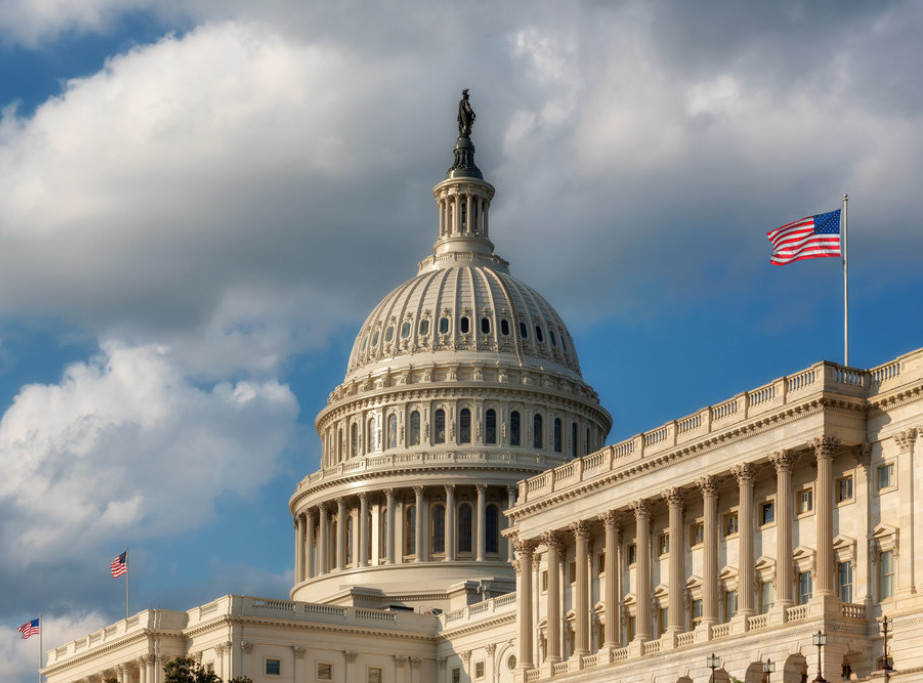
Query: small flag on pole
column 119, row 565
column 30, row 628
column 811, row 237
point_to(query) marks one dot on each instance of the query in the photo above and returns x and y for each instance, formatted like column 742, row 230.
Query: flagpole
column 41, row 632
column 127, row 578
column 845, row 286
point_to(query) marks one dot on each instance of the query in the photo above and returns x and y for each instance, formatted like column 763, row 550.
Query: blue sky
column 200, row 201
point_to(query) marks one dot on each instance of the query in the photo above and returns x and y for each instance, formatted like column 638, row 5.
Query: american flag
column 119, row 565
column 30, row 628
column 811, row 237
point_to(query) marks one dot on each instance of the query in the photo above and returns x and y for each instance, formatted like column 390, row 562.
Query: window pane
column 514, row 428
column 439, row 426
column 490, row 424
column 392, row 431
column 557, row 435
column 464, row 426
column 464, row 528
column 438, row 529
column 415, row 428
column 537, row 431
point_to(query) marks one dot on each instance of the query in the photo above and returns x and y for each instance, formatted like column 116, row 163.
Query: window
column 354, row 446
column 663, row 543
column 523, row 331
column 663, row 620
column 478, row 670
column 544, row 581
column 538, row 334
column 767, row 596
column 410, row 530
column 464, row 528
column 504, row 328
column 439, row 426
column 374, row 675
column 844, row 489
column 805, row 500
column 485, row 326
column 631, row 554
column 443, row 325
column 514, row 428
column 492, row 542
column 424, row 327
column 557, row 435
column 389, row 333
column 805, row 587
column 456, row 675
column 554, row 340
column 373, row 442
column 273, row 667
column 730, row 605
column 767, row 512
column 537, row 431
column 375, row 338
column 844, row 581
column 630, row 627
column 601, row 563
column 511, row 662
column 490, row 426
column 405, row 330
column 696, row 534
column 438, row 526
column 573, row 439
column 392, row 431
column 464, row 325
column 886, row 476
column 572, row 571
column 885, row 574
column 731, row 524
column 464, row 426
column 415, row 428
column 695, row 613
column 324, row 671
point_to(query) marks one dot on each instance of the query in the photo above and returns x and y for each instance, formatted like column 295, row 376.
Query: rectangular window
column 663, row 543
column 731, row 524
column 844, row 489
column 663, row 620
column 805, row 587
column 696, row 534
column 324, row 671
column 572, row 571
column 805, row 500
column 886, row 575
column 695, row 613
column 730, row 605
column 545, row 581
column 456, row 675
column 600, row 635
column 479, row 670
column 844, row 581
column 374, row 675
column 630, row 627
column 273, row 667
column 601, row 563
column 767, row 596
column 886, row 476
column 767, row 512
column 631, row 556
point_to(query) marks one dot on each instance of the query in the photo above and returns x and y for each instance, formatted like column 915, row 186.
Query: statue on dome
column 465, row 115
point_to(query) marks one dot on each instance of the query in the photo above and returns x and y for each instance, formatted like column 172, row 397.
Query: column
column 642, row 510
column 309, row 544
column 613, row 593
column 906, row 570
column 450, row 522
column 581, row 594
column 418, row 523
column 481, row 523
column 552, row 541
column 299, row 548
column 674, row 498
column 468, row 215
column 341, row 534
column 142, row 665
column 524, row 550
column 390, row 516
column 364, row 529
column 824, row 449
column 745, row 473
column 784, row 462
column 709, row 487
column 323, row 538
column 510, row 502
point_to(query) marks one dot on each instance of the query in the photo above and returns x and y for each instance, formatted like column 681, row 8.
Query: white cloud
column 20, row 657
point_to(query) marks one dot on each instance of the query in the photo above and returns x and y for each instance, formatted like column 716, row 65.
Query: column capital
column 863, row 453
column 708, row 485
column 400, row 660
column 299, row 651
column 641, row 508
column 824, row 446
column 552, row 539
column 450, row 488
column 525, row 547
column 581, row 529
column 610, row 519
column 905, row 439
column 389, row 492
column 418, row 490
column 363, row 497
column 744, row 472
column 482, row 488
column 674, row 496
column 784, row 460
column 323, row 507
column 350, row 655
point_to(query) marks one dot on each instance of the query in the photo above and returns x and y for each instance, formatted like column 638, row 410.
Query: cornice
column 129, row 639
column 335, row 628
column 481, row 625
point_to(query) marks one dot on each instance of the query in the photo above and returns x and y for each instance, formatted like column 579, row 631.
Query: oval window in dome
column 563, row 345
column 443, row 325
column 375, row 339
column 463, row 325
column 554, row 341
column 485, row 326
column 424, row 327
column 405, row 330
column 538, row 334
column 365, row 343
column 389, row 333
column 504, row 328
column 523, row 331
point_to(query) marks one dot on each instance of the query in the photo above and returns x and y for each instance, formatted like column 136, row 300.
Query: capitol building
column 469, row 521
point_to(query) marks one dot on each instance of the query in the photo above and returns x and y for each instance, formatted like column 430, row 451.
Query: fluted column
column 745, row 473
column 524, row 551
column 418, row 523
column 906, row 475
column 389, row 501
column 309, row 544
column 824, row 449
column 674, row 498
column 341, row 534
column 510, row 502
column 784, row 462
column 450, row 522
column 299, row 548
column 552, row 541
column 613, row 593
column 323, row 541
column 482, row 522
column 581, row 531
column 364, row 529
column 708, row 485
column 642, row 510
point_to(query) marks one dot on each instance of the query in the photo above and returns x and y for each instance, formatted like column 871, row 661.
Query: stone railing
column 720, row 631
column 757, row 623
column 685, row 639
column 480, row 610
column 821, row 377
column 588, row 661
column 851, row 610
column 796, row 613
column 651, row 647
column 559, row 668
column 532, row 675
column 104, row 637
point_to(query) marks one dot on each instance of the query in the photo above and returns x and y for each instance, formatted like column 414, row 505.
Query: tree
column 187, row 670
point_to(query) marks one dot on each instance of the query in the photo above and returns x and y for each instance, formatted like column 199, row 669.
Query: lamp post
column 769, row 667
column 884, row 632
column 712, row 663
column 819, row 639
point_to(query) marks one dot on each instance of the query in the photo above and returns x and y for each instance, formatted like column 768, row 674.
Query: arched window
column 485, row 325
column 523, row 331
column 392, row 431
column 538, row 334
column 424, row 327
column 354, row 446
column 492, row 541
column 439, row 426
column 464, row 426
column 537, row 431
column 557, row 435
column 464, row 325
column 373, row 441
column 438, row 529
column 505, row 327
column 414, row 428
column 410, row 529
column 514, row 428
column 490, row 426
column 573, row 439
column 464, row 528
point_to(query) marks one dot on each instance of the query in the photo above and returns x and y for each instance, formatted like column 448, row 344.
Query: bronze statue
column 465, row 115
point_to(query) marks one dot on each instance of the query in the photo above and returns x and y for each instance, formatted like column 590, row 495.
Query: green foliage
column 187, row 670
column 241, row 679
